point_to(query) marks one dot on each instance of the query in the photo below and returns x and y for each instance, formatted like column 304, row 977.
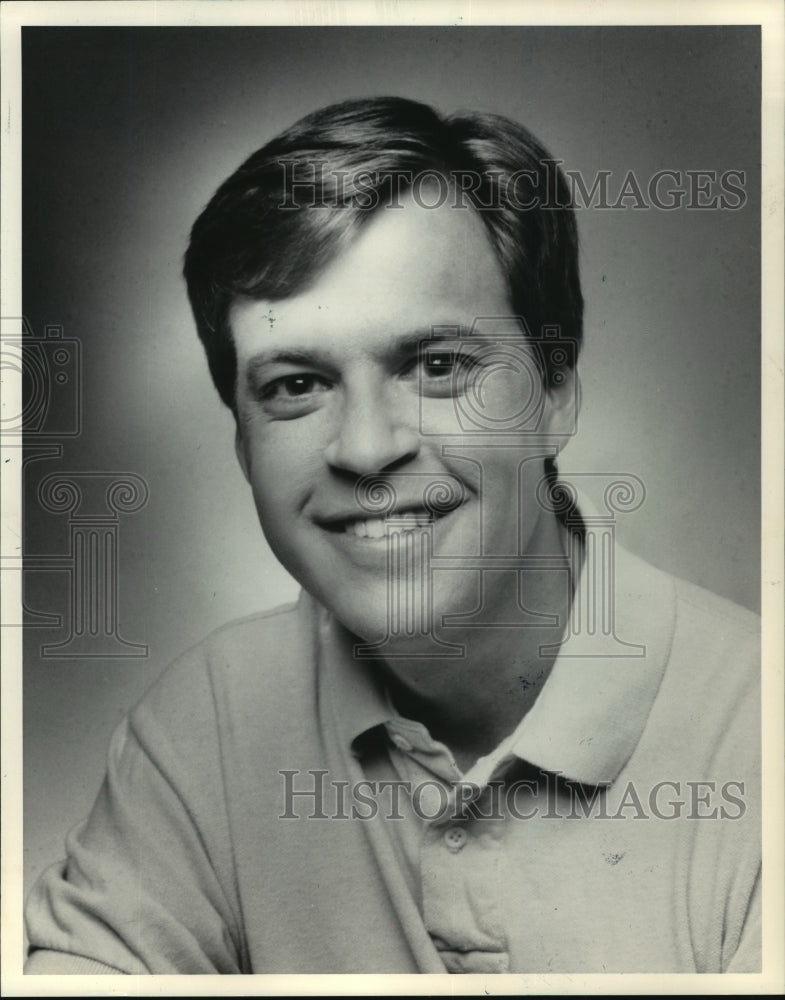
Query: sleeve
column 748, row 957
column 140, row 890
column 43, row 962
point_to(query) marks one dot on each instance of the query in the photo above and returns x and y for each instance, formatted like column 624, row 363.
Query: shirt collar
column 591, row 712
column 590, row 715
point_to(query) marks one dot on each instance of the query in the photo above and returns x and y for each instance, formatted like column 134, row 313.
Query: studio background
column 127, row 133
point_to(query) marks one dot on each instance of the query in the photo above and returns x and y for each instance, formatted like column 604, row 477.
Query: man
column 485, row 739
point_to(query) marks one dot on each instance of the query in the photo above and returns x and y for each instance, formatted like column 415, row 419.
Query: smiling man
column 465, row 748
column 339, row 383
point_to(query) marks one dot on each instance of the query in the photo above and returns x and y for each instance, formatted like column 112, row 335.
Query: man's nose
column 372, row 434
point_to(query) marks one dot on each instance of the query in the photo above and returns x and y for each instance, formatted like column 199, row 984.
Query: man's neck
column 471, row 703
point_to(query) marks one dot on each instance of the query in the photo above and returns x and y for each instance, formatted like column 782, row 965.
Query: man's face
column 333, row 385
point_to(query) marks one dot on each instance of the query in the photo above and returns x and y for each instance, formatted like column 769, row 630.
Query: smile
column 375, row 528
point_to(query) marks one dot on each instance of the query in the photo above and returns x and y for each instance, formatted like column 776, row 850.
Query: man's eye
column 293, row 395
column 439, row 364
column 443, row 372
column 293, row 386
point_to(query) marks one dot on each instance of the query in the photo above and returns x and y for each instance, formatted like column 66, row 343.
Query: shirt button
column 455, row 838
column 401, row 742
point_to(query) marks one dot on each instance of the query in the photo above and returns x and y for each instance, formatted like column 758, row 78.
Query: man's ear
column 239, row 450
column 563, row 405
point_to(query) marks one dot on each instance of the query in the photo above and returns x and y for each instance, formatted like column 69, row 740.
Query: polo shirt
column 267, row 810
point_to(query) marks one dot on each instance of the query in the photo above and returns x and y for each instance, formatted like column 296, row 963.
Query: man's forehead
column 408, row 271
column 422, row 249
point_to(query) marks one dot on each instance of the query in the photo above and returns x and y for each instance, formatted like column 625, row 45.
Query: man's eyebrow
column 255, row 366
column 283, row 357
column 406, row 344
column 435, row 336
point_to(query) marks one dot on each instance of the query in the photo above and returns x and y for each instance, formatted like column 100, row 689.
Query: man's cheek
column 275, row 502
column 280, row 488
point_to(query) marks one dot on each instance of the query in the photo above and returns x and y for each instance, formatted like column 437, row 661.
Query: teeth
column 375, row 527
column 370, row 528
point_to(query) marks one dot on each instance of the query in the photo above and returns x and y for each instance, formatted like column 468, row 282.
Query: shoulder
column 706, row 650
column 717, row 641
column 693, row 620
column 712, row 615
column 710, row 690
column 259, row 666
column 703, row 638
column 260, row 639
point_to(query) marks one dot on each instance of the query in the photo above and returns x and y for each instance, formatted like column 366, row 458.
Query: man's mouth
column 376, row 527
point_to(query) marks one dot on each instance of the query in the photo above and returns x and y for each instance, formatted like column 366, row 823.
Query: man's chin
column 368, row 625
column 401, row 630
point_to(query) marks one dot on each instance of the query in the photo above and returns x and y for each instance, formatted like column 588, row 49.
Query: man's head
column 335, row 169
column 314, row 301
